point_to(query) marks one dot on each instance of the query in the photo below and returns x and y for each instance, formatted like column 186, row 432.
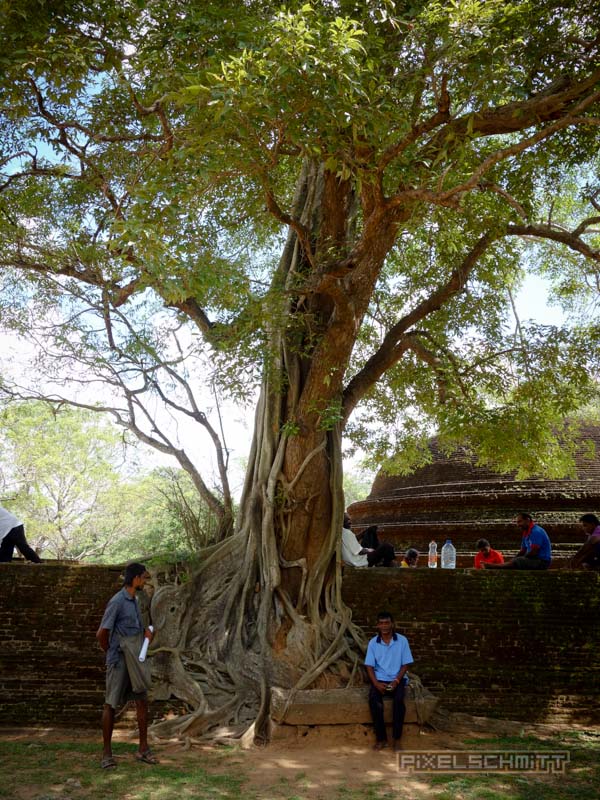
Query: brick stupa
column 452, row 497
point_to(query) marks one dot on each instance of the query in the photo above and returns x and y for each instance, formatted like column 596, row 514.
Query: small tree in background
column 58, row 468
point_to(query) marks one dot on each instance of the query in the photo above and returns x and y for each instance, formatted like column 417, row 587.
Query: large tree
column 333, row 201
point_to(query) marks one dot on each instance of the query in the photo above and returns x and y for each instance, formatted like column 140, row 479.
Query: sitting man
column 410, row 558
column 588, row 556
column 487, row 555
column 387, row 660
column 356, row 556
column 536, row 550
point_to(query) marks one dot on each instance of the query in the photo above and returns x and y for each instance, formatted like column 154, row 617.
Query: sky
column 531, row 303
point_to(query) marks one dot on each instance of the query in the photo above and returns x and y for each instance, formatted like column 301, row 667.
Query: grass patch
column 580, row 781
column 34, row 770
column 43, row 770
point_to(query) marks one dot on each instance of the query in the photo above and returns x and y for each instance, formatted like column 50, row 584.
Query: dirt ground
column 315, row 762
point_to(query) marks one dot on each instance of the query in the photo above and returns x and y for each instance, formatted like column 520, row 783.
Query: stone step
column 344, row 706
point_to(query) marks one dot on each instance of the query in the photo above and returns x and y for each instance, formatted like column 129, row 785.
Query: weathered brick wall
column 506, row 644
column 522, row 646
column 51, row 668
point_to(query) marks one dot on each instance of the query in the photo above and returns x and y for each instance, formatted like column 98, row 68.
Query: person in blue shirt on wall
column 387, row 660
column 536, row 550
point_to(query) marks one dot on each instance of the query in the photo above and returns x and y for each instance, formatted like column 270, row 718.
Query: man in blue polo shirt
column 388, row 658
column 536, row 550
column 120, row 635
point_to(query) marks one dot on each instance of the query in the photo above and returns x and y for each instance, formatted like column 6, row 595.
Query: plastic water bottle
column 448, row 555
column 432, row 557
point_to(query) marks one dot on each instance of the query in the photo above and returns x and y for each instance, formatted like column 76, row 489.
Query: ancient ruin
column 453, row 498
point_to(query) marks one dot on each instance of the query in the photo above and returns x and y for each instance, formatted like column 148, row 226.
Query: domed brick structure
column 452, row 498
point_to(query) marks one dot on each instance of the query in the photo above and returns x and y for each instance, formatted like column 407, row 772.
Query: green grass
column 581, row 780
column 45, row 768
column 41, row 769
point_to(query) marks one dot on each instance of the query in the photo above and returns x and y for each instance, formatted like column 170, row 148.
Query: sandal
column 147, row 757
column 108, row 762
column 380, row 745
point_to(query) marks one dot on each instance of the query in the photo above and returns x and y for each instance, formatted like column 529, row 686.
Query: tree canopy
column 150, row 157
column 334, row 201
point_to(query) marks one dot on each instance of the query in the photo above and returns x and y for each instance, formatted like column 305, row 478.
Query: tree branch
column 301, row 232
column 442, row 115
column 395, row 342
column 570, row 239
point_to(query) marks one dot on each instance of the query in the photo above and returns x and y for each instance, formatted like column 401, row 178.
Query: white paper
column 144, row 650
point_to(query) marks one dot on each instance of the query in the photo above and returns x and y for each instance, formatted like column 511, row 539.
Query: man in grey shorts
column 121, row 635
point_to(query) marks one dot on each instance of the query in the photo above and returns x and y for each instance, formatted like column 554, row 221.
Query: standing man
column 536, row 550
column 12, row 534
column 121, row 635
column 388, row 658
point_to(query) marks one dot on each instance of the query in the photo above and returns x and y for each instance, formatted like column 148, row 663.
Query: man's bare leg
column 108, row 723
column 141, row 707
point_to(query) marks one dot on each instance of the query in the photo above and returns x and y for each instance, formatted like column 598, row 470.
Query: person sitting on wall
column 536, row 550
column 355, row 555
column 588, row 556
column 120, row 635
column 387, row 660
column 410, row 558
column 368, row 538
column 487, row 555
column 12, row 534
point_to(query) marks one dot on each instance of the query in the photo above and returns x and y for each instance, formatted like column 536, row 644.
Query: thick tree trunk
column 264, row 608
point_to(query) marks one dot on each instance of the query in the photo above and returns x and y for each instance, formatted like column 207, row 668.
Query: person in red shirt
column 487, row 555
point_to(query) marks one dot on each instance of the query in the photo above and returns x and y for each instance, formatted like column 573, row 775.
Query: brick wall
column 505, row 644
column 51, row 668
column 522, row 646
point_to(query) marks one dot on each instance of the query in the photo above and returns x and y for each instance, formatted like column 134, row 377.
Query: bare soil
column 312, row 762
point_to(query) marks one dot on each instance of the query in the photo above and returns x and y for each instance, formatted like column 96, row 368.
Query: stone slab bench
column 343, row 706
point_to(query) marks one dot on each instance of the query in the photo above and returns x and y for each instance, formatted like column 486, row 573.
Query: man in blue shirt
column 121, row 635
column 387, row 660
column 536, row 550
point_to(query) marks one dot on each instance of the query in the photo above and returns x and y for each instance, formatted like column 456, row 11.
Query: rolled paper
column 144, row 650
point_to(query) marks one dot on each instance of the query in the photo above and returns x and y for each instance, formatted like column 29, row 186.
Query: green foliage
column 63, row 474
column 161, row 516
column 356, row 486
column 150, row 155
column 58, row 469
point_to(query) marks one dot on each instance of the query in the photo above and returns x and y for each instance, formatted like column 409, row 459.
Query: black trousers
column 382, row 557
column 376, row 700
column 16, row 538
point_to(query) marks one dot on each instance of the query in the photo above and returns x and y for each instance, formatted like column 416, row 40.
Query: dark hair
column 592, row 518
column 132, row 571
column 524, row 514
column 412, row 553
column 483, row 543
column 369, row 538
column 347, row 521
column 385, row 615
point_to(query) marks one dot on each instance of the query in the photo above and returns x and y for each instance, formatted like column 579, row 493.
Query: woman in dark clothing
column 368, row 538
